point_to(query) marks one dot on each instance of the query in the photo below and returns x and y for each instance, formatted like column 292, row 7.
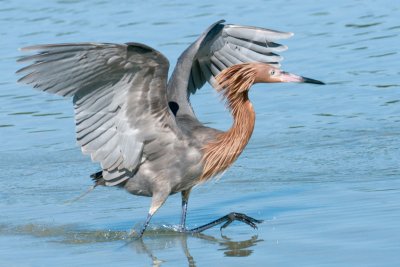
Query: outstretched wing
column 119, row 96
column 219, row 47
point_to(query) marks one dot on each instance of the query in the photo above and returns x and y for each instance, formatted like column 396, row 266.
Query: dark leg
column 227, row 220
column 146, row 223
column 185, row 199
column 156, row 203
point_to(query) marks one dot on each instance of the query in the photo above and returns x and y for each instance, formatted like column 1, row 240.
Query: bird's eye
column 272, row 72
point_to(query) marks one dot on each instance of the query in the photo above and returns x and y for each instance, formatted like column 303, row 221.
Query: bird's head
column 239, row 78
column 269, row 74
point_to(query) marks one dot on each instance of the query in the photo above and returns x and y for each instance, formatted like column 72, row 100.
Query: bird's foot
column 235, row 216
column 134, row 235
column 226, row 220
column 181, row 229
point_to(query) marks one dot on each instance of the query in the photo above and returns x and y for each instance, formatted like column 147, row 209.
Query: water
column 322, row 168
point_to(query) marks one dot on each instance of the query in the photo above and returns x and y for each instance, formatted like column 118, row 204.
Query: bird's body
column 140, row 126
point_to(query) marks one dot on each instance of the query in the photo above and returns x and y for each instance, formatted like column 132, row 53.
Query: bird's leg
column 156, row 202
column 146, row 223
column 185, row 198
column 227, row 220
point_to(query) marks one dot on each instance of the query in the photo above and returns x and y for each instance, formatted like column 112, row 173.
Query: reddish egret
column 141, row 127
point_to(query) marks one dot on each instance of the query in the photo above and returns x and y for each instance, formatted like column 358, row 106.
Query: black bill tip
column 309, row 80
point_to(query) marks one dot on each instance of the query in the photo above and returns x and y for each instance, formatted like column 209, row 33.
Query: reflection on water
column 230, row 247
column 238, row 248
column 155, row 239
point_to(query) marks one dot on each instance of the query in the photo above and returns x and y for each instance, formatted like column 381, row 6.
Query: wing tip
column 33, row 47
column 25, row 48
column 273, row 34
column 61, row 45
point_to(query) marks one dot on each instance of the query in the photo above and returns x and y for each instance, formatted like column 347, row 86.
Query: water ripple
column 69, row 234
column 351, row 25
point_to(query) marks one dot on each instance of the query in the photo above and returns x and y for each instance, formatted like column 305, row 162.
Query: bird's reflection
column 230, row 247
column 155, row 240
column 238, row 248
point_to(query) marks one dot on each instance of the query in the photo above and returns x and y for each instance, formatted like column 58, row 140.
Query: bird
column 140, row 125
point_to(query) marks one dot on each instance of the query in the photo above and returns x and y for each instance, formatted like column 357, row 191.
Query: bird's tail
column 98, row 180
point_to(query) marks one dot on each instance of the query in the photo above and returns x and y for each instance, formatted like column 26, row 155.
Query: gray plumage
column 139, row 127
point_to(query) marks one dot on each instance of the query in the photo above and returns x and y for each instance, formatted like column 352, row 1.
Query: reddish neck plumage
column 226, row 148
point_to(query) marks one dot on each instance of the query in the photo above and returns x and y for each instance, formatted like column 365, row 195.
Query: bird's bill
column 287, row 77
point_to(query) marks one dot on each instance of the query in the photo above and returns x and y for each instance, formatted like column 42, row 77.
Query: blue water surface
column 322, row 167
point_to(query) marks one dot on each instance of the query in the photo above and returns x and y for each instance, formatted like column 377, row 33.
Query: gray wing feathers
column 119, row 96
column 219, row 47
column 63, row 70
column 255, row 34
column 235, row 44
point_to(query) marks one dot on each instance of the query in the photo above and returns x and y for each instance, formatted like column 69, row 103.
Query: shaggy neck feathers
column 219, row 154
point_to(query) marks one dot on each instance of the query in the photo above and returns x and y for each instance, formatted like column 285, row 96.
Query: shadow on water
column 155, row 239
